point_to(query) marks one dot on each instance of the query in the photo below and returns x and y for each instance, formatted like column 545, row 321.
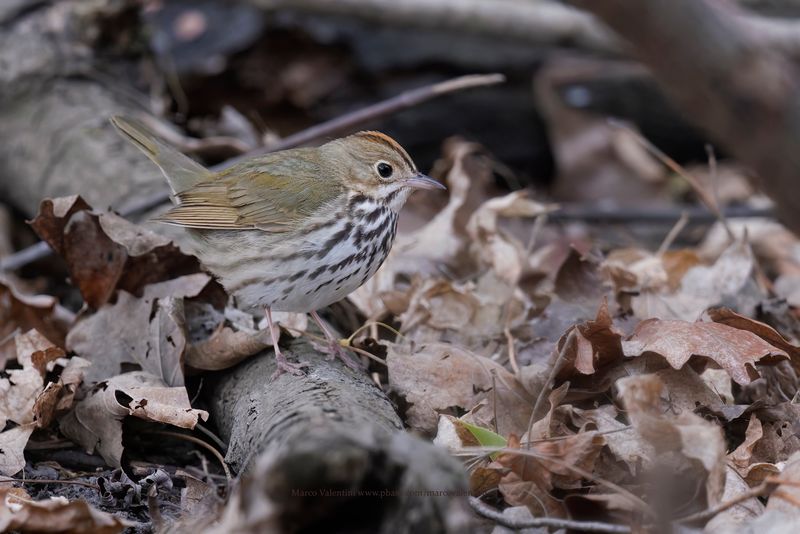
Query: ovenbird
column 294, row 230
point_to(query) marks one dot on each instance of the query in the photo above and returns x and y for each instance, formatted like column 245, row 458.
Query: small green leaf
column 486, row 437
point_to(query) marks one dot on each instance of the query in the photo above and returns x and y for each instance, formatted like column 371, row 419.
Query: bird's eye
column 384, row 169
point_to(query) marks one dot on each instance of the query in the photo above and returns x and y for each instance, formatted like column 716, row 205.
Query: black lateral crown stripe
column 391, row 143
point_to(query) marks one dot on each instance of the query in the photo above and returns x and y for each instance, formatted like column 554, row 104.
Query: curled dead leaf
column 57, row 514
column 96, row 421
column 688, row 434
column 147, row 330
column 741, row 457
column 439, row 377
column 597, row 343
column 728, row 282
column 736, row 351
column 20, row 313
column 494, row 248
column 225, row 348
column 104, row 252
column 735, row 518
column 764, row 331
column 12, row 445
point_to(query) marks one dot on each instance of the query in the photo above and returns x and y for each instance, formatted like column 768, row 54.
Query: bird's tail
column 181, row 171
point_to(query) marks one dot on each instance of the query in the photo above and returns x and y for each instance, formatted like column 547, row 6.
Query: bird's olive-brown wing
column 276, row 193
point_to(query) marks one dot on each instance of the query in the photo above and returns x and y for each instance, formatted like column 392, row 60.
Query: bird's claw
column 334, row 349
column 285, row 366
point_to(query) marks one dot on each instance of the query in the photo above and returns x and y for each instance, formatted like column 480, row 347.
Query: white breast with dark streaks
column 309, row 272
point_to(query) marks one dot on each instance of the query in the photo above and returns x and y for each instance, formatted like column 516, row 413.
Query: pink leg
column 334, row 348
column 283, row 364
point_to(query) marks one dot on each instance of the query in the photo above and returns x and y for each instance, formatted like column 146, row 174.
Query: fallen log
column 329, row 450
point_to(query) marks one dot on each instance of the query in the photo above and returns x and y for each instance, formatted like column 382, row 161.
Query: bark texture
column 56, row 94
column 333, row 431
column 725, row 79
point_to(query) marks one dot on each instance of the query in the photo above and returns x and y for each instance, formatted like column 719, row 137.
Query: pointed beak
column 422, row 181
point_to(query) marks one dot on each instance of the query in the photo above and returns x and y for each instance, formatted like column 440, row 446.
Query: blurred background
column 242, row 75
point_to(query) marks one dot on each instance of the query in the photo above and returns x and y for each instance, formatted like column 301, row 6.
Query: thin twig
column 705, row 197
column 201, row 443
column 563, row 438
column 637, row 502
column 494, row 399
column 323, row 340
column 653, row 216
column 548, row 386
column 673, row 233
column 213, row 437
column 51, row 481
column 348, row 121
column 512, row 351
column 518, row 524
column 762, row 489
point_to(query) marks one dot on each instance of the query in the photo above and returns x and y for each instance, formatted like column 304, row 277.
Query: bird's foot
column 333, row 348
column 285, row 366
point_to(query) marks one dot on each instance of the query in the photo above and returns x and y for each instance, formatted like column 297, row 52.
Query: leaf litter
column 647, row 386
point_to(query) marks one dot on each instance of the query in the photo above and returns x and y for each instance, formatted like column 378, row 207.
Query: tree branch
column 726, row 80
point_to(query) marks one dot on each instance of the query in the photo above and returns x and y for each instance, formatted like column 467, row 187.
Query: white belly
column 303, row 275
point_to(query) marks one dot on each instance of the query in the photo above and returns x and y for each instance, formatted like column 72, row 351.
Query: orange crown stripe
column 384, row 139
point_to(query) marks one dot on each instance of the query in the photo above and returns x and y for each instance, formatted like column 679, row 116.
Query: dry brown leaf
column 736, row 351
column 12, row 445
column 199, row 501
column 491, row 246
column 19, row 389
column 44, row 409
column 787, row 286
column 773, row 244
column 71, row 377
column 531, row 479
column 783, row 507
column 440, row 305
column 626, row 446
column 148, row 331
column 484, row 479
column 58, row 396
column 549, row 425
column 641, row 270
column 758, row 472
column 18, row 392
column 597, row 343
column 728, row 282
column 439, row 377
column 687, row 434
column 221, row 339
column 762, row 330
column 224, row 348
column 453, row 435
column 742, row 456
column 96, row 421
column 719, row 381
column 581, row 280
column 104, row 252
column 735, row 518
column 24, row 400
column 578, row 450
column 20, row 313
column 686, row 391
column 527, row 483
column 54, row 515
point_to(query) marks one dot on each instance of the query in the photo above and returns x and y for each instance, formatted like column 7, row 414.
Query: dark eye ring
column 384, row 169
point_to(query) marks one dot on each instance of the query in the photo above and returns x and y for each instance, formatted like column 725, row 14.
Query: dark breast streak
column 370, row 244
